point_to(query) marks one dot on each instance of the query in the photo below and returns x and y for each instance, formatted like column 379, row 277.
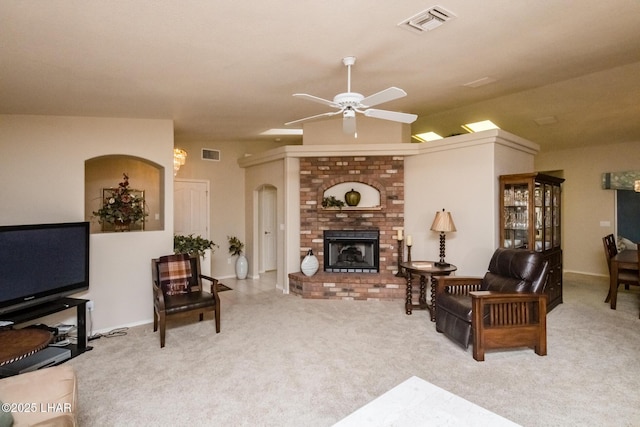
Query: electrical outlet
column 228, row 260
column 90, row 305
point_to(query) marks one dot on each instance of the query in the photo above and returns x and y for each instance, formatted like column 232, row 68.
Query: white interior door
column 191, row 212
column 268, row 227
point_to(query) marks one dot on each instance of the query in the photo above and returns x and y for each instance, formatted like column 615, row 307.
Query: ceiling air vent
column 210, row 154
column 427, row 20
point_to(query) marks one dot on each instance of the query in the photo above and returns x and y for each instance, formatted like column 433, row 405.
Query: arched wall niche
column 106, row 172
column 370, row 195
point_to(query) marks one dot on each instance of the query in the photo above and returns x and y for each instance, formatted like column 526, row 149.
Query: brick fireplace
column 317, row 175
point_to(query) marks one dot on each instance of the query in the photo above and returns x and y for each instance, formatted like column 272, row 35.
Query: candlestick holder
column 400, row 273
column 408, row 253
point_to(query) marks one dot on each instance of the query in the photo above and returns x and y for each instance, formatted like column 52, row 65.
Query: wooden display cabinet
column 530, row 206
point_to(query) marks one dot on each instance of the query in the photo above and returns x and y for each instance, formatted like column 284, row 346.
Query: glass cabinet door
column 539, row 217
column 548, row 217
column 516, row 216
column 556, row 216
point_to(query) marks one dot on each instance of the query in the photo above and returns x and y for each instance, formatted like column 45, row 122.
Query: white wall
column 585, row 203
column 460, row 174
column 42, row 171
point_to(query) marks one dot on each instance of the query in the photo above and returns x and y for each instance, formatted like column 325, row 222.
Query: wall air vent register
column 427, row 20
column 211, row 154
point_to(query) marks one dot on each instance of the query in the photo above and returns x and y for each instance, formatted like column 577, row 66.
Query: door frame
column 261, row 222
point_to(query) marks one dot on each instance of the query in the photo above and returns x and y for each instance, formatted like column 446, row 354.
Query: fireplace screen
column 352, row 251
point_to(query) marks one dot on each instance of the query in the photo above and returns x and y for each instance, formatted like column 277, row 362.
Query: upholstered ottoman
column 47, row 397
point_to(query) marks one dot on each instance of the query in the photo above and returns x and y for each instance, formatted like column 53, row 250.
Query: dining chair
column 638, row 252
column 625, row 277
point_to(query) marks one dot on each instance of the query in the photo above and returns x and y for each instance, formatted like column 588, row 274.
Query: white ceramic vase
column 309, row 265
column 242, row 267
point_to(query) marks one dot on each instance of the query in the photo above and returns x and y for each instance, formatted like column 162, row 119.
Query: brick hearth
column 317, row 174
column 352, row 286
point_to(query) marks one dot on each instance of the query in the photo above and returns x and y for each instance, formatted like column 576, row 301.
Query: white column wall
column 460, row 175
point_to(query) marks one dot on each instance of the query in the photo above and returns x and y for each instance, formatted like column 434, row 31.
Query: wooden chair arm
column 457, row 285
column 508, row 309
column 492, row 297
column 508, row 320
column 214, row 284
column 158, row 297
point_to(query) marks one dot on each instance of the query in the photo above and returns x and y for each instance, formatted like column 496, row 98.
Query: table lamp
column 443, row 222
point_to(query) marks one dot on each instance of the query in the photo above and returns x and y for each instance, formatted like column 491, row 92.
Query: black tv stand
column 42, row 310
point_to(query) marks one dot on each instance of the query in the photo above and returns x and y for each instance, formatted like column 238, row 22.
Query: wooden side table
column 16, row 344
column 424, row 269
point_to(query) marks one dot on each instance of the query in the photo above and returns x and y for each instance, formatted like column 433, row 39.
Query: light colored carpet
column 284, row 361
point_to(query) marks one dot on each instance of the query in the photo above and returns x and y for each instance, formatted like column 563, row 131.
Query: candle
column 400, row 233
column 409, row 240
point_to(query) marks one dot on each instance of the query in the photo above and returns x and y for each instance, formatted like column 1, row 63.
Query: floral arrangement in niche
column 123, row 206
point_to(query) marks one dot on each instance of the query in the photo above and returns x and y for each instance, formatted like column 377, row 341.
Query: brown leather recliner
column 505, row 308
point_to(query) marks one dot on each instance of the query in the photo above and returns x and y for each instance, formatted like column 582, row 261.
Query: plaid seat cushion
column 174, row 272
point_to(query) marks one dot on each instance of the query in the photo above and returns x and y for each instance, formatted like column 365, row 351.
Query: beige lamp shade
column 443, row 222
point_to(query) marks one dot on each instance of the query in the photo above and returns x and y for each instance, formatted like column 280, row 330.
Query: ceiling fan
column 349, row 103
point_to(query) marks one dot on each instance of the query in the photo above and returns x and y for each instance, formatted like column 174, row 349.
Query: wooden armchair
column 506, row 308
column 177, row 288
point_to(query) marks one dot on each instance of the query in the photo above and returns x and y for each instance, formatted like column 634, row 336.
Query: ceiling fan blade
column 317, row 116
column 391, row 115
column 316, row 99
column 386, row 95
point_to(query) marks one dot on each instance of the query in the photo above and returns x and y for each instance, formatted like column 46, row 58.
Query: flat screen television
column 42, row 262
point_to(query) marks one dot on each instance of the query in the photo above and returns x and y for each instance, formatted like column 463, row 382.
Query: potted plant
column 235, row 248
column 192, row 245
column 332, row 202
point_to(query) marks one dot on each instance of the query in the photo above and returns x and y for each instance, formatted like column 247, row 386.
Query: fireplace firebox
column 352, row 251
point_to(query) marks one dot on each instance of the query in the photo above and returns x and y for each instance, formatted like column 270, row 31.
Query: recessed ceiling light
column 480, row 126
column 426, row 136
column 282, row 132
column 548, row 120
column 480, row 82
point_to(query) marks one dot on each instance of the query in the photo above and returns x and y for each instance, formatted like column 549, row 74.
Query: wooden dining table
column 627, row 259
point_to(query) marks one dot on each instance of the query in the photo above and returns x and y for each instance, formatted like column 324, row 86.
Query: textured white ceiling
column 225, row 70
